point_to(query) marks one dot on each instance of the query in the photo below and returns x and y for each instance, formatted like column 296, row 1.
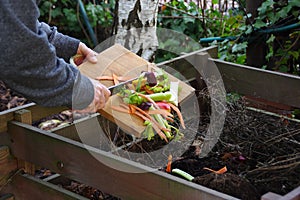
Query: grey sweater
column 33, row 58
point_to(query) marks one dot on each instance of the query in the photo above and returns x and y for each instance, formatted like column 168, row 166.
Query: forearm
column 65, row 46
column 30, row 64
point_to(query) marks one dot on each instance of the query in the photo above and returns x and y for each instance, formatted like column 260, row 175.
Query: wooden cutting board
column 122, row 62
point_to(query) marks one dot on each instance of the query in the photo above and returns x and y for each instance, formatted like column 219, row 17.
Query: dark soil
column 228, row 183
column 261, row 153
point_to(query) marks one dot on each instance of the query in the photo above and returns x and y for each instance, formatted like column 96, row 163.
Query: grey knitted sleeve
column 29, row 62
column 65, row 46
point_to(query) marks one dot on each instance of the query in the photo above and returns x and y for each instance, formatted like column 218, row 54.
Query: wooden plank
column 130, row 124
column 16, row 108
column 37, row 112
column 8, row 115
column 271, row 196
column 293, row 195
column 184, row 66
column 122, row 62
column 28, row 187
column 7, row 197
column 273, row 86
column 24, row 116
column 116, row 60
column 86, row 130
column 7, row 165
column 212, row 52
column 4, row 118
column 79, row 164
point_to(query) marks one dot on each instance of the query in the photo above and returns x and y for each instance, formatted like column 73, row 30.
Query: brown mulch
column 260, row 151
column 10, row 99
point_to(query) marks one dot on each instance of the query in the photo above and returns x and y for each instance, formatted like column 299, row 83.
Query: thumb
column 92, row 58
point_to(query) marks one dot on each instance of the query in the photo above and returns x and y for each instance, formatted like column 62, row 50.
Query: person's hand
column 101, row 95
column 85, row 54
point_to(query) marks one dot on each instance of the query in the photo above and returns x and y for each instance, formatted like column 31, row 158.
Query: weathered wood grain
column 78, row 162
column 27, row 187
column 273, row 86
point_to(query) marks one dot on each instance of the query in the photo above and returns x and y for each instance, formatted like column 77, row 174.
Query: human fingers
column 102, row 95
column 87, row 53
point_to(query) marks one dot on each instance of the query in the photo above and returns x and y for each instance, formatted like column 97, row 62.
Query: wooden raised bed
column 62, row 152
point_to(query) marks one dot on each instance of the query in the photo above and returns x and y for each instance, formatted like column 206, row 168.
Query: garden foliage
column 196, row 22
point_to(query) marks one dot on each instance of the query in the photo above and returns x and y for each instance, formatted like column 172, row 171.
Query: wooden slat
column 24, row 116
column 7, row 197
column 8, row 115
column 79, row 164
column 4, row 118
column 86, row 130
column 293, row 195
column 185, row 65
column 16, row 108
column 37, row 111
column 7, row 164
column 272, row 86
column 28, row 187
column 271, row 196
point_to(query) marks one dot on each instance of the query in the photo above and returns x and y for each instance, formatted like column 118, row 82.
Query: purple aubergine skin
column 151, row 79
column 145, row 105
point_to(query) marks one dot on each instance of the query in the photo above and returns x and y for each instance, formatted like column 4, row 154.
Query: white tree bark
column 136, row 28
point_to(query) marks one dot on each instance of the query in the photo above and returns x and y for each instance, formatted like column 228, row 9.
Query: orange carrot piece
column 124, row 105
column 158, row 125
column 141, row 111
column 104, row 78
column 115, row 78
column 170, row 119
column 161, row 112
column 178, row 113
column 131, row 108
column 220, row 171
column 126, row 108
column 149, row 99
column 148, row 91
column 142, row 116
column 150, row 118
column 159, row 132
column 155, row 125
column 120, row 109
column 168, row 169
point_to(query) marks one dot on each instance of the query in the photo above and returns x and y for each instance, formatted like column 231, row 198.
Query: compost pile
column 261, row 153
column 10, row 99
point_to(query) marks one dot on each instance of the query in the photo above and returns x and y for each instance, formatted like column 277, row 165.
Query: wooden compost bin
column 62, row 152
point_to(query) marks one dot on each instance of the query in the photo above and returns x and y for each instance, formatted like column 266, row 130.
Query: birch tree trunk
column 136, row 26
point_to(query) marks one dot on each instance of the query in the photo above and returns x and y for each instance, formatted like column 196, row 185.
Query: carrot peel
column 220, row 171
